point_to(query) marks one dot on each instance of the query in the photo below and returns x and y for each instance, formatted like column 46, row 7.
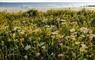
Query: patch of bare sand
column 17, row 10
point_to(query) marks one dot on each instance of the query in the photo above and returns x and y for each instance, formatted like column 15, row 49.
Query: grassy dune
column 52, row 35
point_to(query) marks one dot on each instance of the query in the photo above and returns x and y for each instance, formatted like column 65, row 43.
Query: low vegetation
column 51, row 35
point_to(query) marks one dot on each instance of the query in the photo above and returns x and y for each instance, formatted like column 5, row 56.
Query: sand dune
column 16, row 10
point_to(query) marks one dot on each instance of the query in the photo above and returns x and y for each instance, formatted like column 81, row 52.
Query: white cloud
column 47, row 0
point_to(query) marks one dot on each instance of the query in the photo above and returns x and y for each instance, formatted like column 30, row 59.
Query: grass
column 51, row 35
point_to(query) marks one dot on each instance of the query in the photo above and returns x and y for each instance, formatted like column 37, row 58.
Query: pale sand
column 17, row 10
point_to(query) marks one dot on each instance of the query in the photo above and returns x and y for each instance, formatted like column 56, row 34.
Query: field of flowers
column 52, row 35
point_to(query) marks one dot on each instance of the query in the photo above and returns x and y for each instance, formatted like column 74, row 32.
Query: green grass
column 52, row 35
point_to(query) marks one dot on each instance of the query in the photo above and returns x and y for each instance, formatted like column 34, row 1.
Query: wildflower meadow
column 52, row 35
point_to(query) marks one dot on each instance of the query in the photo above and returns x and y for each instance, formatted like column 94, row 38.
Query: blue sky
column 47, row 0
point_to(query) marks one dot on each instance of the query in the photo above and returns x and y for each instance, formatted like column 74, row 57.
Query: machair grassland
column 52, row 35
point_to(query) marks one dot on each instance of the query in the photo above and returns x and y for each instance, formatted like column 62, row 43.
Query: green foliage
column 30, row 13
column 51, row 35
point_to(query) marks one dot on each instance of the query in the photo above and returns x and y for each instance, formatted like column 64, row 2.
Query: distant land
column 90, row 6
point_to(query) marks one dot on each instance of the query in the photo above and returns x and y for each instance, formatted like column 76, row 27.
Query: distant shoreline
column 16, row 10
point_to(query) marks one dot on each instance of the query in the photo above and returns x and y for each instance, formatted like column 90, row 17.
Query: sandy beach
column 17, row 10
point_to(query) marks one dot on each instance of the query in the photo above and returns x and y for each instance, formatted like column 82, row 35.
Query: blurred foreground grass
column 51, row 35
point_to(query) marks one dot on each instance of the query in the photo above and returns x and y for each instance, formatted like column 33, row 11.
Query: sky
column 47, row 0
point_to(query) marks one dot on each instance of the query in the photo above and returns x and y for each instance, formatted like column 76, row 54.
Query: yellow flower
column 14, row 35
column 83, row 48
column 15, row 28
column 72, row 30
column 82, row 35
column 77, row 43
column 84, row 29
column 22, row 32
column 62, row 20
column 73, row 37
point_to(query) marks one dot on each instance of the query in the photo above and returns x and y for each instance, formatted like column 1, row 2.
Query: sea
column 44, row 4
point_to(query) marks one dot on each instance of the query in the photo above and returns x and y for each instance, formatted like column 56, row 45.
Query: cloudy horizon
column 47, row 0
